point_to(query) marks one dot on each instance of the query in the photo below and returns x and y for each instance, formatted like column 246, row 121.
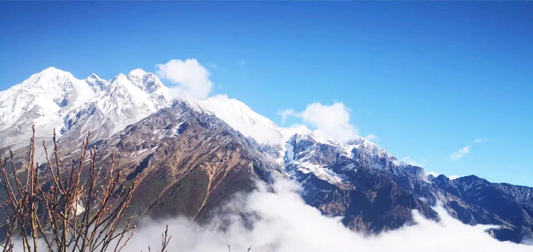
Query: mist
column 282, row 222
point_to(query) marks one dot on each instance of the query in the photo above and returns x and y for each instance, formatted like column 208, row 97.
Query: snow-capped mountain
column 244, row 119
column 117, row 103
column 54, row 99
column 43, row 100
column 221, row 142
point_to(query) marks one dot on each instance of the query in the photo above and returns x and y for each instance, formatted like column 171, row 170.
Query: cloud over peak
column 329, row 121
column 372, row 137
column 432, row 173
column 284, row 113
column 410, row 161
column 191, row 78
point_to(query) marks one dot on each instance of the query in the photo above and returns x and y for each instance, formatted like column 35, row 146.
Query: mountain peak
column 51, row 70
column 94, row 76
column 137, row 72
column 48, row 78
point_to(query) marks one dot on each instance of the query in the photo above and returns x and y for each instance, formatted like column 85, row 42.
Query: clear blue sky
column 427, row 78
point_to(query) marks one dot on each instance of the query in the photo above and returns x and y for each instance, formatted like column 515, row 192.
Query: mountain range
column 190, row 156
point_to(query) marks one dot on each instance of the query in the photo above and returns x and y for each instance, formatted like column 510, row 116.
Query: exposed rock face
column 475, row 200
column 366, row 198
column 369, row 201
column 373, row 192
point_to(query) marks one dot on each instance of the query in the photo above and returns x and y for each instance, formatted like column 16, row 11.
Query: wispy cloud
column 284, row 113
column 465, row 150
column 484, row 140
column 434, row 174
column 460, row 153
column 372, row 137
column 330, row 121
column 409, row 160
column 213, row 66
column 241, row 62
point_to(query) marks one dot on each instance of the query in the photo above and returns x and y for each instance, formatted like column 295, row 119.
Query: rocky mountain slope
column 186, row 162
column 191, row 156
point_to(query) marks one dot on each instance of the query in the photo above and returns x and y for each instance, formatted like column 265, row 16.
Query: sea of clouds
column 276, row 219
column 282, row 222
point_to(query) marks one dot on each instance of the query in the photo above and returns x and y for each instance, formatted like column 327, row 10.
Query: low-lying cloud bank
column 282, row 222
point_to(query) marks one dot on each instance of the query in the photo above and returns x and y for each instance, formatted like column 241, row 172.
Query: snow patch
column 177, row 129
column 243, row 119
column 289, row 156
column 319, row 171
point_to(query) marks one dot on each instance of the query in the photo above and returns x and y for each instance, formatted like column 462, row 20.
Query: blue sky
column 427, row 78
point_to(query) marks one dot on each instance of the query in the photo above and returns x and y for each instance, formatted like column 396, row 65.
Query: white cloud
column 409, row 160
column 193, row 85
column 280, row 221
column 460, row 153
column 241, row 62
column 213, row 66
column 452, row 177
column 465, row 150
column 284, row 113
column 372, row 137
column 483, row 140
column 434, row 174
column 191, row 78
column 329, row 121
